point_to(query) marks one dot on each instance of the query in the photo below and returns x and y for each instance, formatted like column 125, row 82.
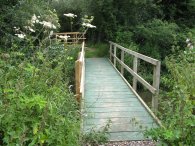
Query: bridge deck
column 108, row 97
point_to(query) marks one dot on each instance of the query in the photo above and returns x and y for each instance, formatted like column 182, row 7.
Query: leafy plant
column 36, row 107
column 95, row 137
column 177, row 110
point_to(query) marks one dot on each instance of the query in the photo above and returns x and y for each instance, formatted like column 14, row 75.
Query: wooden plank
column 110, row 99
column 125, row 136
column 120, row 127
column 115, row 105
column 114, row 109
column 141, row 100
column 137, row 120
column 107, row 96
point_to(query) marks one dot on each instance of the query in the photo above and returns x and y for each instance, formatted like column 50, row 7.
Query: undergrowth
column 36, row 106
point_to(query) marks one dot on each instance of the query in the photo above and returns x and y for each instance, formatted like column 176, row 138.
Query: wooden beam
column 110, row 52
column 137, row 77
column 135, row 59
column 141, row 100
column 156, row 84
column 138, row 55
column 78, row 79
column 122, row 59
column 114, row 55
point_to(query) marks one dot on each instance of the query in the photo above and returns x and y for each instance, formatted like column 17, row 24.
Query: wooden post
column 110, row 52
column 135, row 60
column 114, row 55
column 156, row 84
column 78, row 79
column 122, row 59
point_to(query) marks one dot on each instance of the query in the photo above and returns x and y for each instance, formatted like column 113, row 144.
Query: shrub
column 157, row 38
column 177, row 105
column 36, row 107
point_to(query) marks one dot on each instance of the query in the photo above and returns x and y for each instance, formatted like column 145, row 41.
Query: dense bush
column 17, row 15
column 36, row 107
column 177, row 105
column 157, row 38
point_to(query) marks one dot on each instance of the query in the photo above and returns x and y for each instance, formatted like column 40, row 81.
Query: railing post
column 114, row 55
column 156, row 83
column 78, row 79
column 135, row 59
column 110, row 52
column 122, row 59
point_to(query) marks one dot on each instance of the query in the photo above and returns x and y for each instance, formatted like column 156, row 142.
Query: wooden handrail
column 80, row 73
column 71, row 37
column 154, row 89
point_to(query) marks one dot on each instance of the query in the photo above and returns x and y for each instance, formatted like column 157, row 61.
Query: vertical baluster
column 156, row 83
column 110, row 52
column 114, row 55
column 135, row 60
column 122, row 59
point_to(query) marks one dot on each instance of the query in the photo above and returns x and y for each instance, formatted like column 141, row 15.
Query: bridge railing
column 70, row 37
column 80, row 73
column 154, row 88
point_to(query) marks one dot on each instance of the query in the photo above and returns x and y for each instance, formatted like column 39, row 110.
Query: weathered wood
column 138, row 55
column 141, row 100
column 80, row 74
column 154, row 89
column 78, row 79
column 72, row 37
column 156, row 83
column 110, row 52
column 122, row 59
column 114, row 55
column 107, row 97
column 135, row 70
column 136, row 76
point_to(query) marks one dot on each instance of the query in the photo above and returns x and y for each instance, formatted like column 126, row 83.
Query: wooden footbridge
column 107, row 98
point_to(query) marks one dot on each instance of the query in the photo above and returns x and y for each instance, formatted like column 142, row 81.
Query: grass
column 96, row 50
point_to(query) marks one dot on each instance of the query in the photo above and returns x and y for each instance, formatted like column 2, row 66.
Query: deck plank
column 108, row 98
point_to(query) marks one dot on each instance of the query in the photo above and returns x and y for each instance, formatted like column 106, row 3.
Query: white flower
column 70, row 15
column 187, row 40
column 29, row 28
column 22, row 36
column 48, row 24
column 189, row 44
column 32, row 30
column 16, row 29
column 88, row 25
column 34, row 18
column 64, row 37
column 51, row 33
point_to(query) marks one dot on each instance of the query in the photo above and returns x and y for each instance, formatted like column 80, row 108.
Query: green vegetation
column 178, row 109
column 37, row 105
column 97, row 50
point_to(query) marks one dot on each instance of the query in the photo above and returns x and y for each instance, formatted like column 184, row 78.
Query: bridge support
column 156, row 83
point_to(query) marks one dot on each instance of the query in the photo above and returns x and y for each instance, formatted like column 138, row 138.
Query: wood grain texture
column 108, row 98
